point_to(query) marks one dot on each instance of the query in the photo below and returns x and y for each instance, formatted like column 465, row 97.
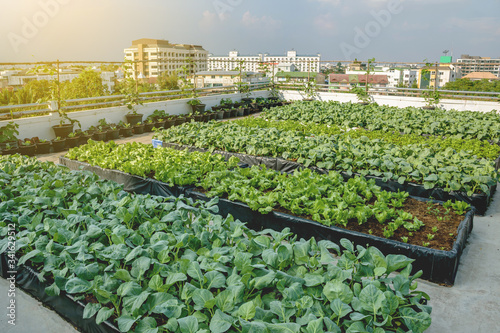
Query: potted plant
column 58, row 144
column 363, row 97
column 432, row 98
column 99, row 134
column 160, row 123
column 43, row 146
column 8, row 135
column 72, row 140
column 85, row 136
column 198, row 116
column 219, row 113
column 133, row 117
column 138, row 128
column 113, row 132
column 125, row 129
column 65, row 126
column 27, row 147
column 169, row 122
column 103, row 124
column 10, row 150
column 196, row 105
column 148, row 126
column 240, row 112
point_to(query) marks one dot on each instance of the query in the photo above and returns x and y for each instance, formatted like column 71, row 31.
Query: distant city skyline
column 388, row 30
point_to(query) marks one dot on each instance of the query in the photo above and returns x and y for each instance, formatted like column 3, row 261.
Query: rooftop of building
column 481, row 76
column 296, row 74
column 358, row 78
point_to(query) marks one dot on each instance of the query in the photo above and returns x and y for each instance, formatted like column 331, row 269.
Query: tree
column 168, row 81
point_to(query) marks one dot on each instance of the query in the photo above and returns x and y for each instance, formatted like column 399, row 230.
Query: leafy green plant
column 171, row 265
column 431, row 97
column 361, row 94
column 8, row 132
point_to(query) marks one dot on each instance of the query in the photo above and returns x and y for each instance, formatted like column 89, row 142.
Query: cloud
column 326, row 24
column 208, row 20
column 489, row 26
column 328, row 2
column 263, row 22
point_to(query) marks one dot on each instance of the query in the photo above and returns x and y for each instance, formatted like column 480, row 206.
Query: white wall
column 401, row 101
column 41, row 127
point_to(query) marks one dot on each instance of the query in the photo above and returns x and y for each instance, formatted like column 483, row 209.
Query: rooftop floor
column 471, row 305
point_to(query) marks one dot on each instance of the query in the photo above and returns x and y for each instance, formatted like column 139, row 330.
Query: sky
column 387, row 30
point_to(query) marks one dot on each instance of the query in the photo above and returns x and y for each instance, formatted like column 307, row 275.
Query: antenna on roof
column 446, row 52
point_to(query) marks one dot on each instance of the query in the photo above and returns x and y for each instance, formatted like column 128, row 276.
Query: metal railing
column 17, row 111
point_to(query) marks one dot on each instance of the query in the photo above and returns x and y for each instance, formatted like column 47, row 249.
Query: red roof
column 358, row 78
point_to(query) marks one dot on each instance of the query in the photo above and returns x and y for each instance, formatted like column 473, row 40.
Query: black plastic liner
column 131, row 183
column 64, row 304
column 479, row 201
column 437, row 266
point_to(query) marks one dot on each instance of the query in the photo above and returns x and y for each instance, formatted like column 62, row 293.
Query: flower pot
column 234, row 112
column 10, row 151
column 148, row 127
column 160, row 124
column 246, row 111
column 246, row 101
column 240, row 112
column 169, row 123
column 206, row 118
column 220, row 114
column 213, row 115
column 12, row 144
column 63, row 130
column 72, row 142
column 198, row 108
column 99, row 136
column 43, row 147
column 133, row 118
column 198, row 117
column 138, row 129
column 126, row 132
column 113, row 134
column 58, row 145
column 428, row 107
column 84, row 139
column 227, row 114
column 27, row 150
column 179, row 121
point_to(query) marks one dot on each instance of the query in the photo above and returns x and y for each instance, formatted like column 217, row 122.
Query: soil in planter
column 443, row 238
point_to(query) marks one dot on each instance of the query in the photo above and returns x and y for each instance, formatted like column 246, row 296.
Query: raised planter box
column 437, row 265
column 64, row 304
column 479, row 201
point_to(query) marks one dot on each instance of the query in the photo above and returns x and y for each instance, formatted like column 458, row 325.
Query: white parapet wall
column 41, row 126
column 399, row 101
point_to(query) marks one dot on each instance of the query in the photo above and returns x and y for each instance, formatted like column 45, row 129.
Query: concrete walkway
column 472, row 305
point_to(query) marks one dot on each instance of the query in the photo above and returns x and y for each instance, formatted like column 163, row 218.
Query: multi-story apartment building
column 255, row 63
column 470, row 64
column 396, row 77
column 156, row 56
column 212, row 79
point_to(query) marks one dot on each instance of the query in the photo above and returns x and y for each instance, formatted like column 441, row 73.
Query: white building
column 156, row 56
column 255, row 63
column 395, row 76
column 209, row 79
column 232, row 62
column 470, row 64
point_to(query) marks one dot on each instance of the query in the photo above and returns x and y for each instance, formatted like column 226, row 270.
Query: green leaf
column 194, row 271
column 220, row 322
column 123, row 275
column 125, row 323
column 53, row 290
column 28, row 256
column 77, row 286
column 315, row 326
column 264, row 281
column 173, row 278
column 200, row 297
column 417, row 322
column 253, row 327
column 225, row 300
column 371, row 298
column 284, row 328
column 338, row 290
column 313, row 280
column 214, row 280
column 156, row 283
column 90, row 310
column 339, row 308
column 130, row 288
column 88, row 272
column 247, row 310
column 188, row 324
column 396, row 262
column 279, row 309
column 103, row 315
